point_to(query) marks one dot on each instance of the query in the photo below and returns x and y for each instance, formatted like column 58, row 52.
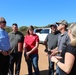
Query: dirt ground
column 43, row 63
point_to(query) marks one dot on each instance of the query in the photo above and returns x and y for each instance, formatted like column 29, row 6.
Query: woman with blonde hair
column 67, row 64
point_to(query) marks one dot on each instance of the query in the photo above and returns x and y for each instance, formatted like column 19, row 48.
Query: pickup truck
column 42, row 33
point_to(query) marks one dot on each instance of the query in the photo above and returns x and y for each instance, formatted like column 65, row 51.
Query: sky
column 37, row 12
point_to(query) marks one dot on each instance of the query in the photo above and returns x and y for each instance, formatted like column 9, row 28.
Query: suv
column 42, row 33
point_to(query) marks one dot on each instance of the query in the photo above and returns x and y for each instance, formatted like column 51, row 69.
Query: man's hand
column 5, row 53
column 27, row 57
column 0, row 51
column 27, row 53
column 55, row 58
column 53, row 53
column 58, row 57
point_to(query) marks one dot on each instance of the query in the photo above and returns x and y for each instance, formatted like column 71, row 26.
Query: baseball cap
column 62, row 22
column 53, row 25
column 15, row 24
column 2, row 20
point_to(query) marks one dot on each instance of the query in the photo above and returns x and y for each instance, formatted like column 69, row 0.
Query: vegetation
column 8, row 29
column 24, row 28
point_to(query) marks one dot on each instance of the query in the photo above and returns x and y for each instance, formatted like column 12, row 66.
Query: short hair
column 14, row 24
column 2, row 20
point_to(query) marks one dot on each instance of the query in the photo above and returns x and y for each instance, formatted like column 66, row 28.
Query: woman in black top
column 67, row 64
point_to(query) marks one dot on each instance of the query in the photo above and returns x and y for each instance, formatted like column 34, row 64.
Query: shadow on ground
column 43, row 72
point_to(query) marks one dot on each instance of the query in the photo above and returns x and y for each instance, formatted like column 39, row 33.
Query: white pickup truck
column 42, row 33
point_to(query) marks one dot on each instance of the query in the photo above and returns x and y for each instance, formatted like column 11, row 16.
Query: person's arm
column 68, row 64
column 55, row 51
column 0, row 45
column 25, row 51
column 24, row 47
column 46, row 47
column 20, row 43
column 45, row 44
column 20, row 47
column 33, row 49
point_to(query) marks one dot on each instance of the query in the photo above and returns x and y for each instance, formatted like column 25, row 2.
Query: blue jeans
column 51, row 66
column 57, row 70
column 33, row 61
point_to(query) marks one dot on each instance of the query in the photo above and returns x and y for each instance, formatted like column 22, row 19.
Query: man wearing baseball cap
column 4, row 48
column 63, row 22
column 51, row 43
column 63, row 40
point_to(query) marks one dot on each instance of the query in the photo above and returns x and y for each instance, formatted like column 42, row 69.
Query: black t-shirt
column 72, row 50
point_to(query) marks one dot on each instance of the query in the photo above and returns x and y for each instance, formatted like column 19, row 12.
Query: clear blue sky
column 37, row 12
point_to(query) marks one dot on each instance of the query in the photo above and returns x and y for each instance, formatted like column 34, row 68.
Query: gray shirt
column 52, row 40
column 15, row 38
column 63, row 40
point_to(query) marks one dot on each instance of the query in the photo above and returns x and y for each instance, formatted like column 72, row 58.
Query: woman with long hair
column 31, row 43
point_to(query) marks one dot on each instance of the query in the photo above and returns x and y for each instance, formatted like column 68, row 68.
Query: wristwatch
column 49, row 52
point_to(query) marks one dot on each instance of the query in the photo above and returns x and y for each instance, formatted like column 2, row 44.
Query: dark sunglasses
column 59, row 24
column 3, row 22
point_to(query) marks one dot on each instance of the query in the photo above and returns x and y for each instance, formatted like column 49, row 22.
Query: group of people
column 60, row 47
column 11, row 48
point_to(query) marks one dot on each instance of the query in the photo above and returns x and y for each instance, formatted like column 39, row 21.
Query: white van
column 42, row 33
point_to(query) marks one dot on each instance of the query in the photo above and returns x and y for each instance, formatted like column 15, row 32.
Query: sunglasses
column 59, row 24
column 3, row 22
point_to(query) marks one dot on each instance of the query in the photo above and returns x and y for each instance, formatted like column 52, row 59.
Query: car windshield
column 37, row 30
column 44, row 31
